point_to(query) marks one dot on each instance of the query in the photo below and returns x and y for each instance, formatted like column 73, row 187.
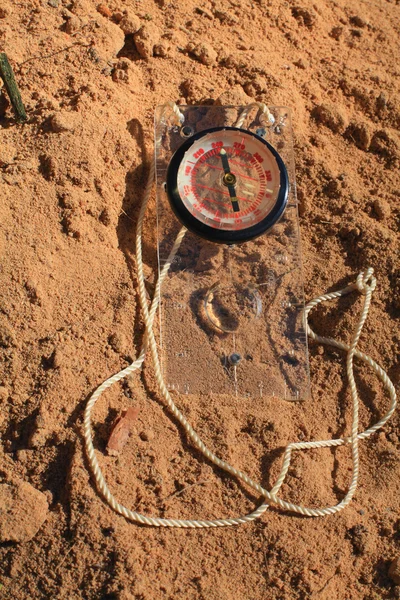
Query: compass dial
column 227, row 185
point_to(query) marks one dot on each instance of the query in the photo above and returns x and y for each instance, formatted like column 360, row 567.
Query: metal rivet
column 186, row 131
column 234, row 359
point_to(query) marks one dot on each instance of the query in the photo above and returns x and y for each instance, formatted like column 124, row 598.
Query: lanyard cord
column 365, row 285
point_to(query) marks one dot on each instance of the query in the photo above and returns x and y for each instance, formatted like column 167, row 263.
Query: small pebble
column 62, row 121
column 203, row 52
column 104, row 10
column 382, row 209
column 118, row 342
column 146, row 38
column 23, row 511
column 301, row 64
column 53, row 3
column 73, row 25
column 40, row 432
column 121, row 431
column 130, row 23
column 162, row 50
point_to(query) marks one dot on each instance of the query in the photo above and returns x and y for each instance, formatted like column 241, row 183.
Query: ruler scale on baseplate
column 230, row 305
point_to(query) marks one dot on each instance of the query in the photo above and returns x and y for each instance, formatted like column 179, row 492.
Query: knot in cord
column 366, row 281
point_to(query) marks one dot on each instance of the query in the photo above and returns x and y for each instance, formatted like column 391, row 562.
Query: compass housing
column 216, row 234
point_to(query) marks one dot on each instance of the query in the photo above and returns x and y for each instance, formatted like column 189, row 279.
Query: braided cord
column 365, row 285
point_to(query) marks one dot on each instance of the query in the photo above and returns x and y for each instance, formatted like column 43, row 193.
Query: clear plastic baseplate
column 230, row 316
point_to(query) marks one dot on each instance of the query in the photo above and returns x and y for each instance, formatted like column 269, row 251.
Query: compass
column 227, row 185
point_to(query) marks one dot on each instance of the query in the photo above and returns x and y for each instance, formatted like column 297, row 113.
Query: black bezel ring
column 211, row 233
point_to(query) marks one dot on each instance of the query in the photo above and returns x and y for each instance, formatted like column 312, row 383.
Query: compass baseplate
column 230, row 315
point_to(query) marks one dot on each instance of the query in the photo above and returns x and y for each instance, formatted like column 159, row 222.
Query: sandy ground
column 71, row 180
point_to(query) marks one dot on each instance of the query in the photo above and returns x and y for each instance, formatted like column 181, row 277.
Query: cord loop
column 365, row 284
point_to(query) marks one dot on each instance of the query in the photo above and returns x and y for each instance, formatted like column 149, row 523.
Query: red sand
column 70, row 183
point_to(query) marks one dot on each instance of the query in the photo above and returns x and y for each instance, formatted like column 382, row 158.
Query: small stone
column 332, row 116
column 62, row 121
column 40, row 432
column 121, row 431
column 381, row 101
column 130, row 23
column 104, row 10
column 394, row 570
column 162, row 50
column 53, row 3
column 110, row 39
column 382, row 209
column 118, row 342
column 203, row 52
column 23, row 511
column 145, row 39
column 73, row 25
column 301, row 64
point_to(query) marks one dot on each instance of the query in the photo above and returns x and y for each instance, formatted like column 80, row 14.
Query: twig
column 43, row 56
column 7, row 75
column 126, row 214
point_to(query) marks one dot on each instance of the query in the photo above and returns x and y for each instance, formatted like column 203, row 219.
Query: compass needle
column 229, row 179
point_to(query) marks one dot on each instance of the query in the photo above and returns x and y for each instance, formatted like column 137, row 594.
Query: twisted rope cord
column 265, row 116
column 365, row 285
